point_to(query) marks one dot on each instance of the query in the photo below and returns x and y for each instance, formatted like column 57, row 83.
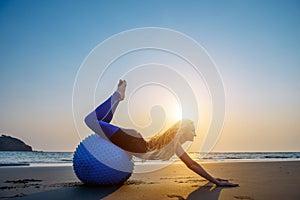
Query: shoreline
column 257, row 180
column 12, row 165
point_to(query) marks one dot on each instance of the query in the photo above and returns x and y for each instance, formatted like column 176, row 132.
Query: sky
column 254, row 44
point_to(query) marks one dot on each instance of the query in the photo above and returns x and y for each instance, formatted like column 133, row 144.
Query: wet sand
column 257, row 180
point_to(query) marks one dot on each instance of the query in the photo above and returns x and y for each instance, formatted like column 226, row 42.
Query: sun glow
column 177, row 113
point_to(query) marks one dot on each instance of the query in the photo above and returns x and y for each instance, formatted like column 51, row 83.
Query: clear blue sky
column 255, row 44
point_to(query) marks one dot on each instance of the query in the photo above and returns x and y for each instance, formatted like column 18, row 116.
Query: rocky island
column 8, row 143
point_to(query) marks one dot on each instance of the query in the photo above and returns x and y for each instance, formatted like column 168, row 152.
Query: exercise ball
column 97, row 161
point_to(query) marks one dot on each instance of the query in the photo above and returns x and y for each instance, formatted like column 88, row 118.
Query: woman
column 162, row 146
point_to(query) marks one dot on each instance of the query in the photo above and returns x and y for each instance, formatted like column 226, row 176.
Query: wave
column 277, row 157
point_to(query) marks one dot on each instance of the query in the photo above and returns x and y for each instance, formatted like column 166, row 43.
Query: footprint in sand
column 243, row 197
column 176, row 196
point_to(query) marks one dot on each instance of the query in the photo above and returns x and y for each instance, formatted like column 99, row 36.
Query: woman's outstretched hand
column 225, row 183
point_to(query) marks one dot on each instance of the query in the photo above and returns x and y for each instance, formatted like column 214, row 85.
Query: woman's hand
column 220, row 179
column 191, row 164
column 225, row 183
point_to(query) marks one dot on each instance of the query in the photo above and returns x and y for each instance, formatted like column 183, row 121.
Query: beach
column 257, row 180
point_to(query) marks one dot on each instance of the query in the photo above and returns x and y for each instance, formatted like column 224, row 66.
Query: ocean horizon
column 40, row 158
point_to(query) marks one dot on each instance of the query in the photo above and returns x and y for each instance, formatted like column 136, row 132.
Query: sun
column 177, row 113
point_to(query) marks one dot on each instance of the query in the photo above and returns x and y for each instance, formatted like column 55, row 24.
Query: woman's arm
column 194, row 166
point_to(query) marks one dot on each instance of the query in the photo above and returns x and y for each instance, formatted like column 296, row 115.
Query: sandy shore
column 258, row 180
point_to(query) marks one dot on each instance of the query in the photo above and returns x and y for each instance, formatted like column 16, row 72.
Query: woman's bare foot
column 121, row 88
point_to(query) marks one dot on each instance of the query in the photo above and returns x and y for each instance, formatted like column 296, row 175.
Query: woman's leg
column 105, row 111
column 99, row 119
column 128, row 142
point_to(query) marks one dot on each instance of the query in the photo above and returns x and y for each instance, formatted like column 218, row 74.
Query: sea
column 20, row 159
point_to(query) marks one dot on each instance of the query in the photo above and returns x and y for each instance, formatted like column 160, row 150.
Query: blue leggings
column 99, row 121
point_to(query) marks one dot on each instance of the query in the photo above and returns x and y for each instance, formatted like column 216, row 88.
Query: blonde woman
column 160, row 147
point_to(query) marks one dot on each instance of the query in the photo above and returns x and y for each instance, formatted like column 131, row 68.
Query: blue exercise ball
column 97, row 161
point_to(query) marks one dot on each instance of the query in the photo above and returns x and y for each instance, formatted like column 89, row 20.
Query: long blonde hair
column 162, row 146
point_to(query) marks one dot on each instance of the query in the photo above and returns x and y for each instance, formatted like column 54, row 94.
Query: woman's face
column 189, row 134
